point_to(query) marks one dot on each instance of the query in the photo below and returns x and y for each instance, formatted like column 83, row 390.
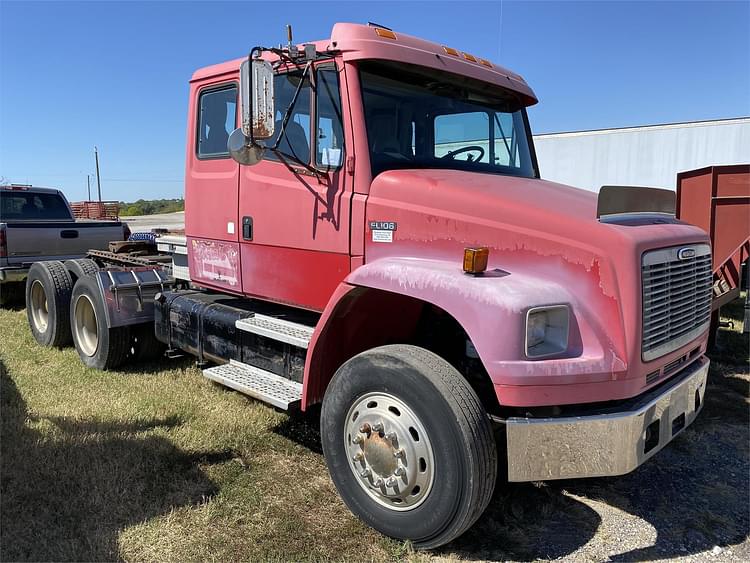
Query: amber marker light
column 485, row 62
column 387, row 33
column 469, row 57
column 450, row 51
column 475, row 259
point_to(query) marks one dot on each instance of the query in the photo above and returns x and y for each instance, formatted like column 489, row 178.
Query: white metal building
column 641, row 156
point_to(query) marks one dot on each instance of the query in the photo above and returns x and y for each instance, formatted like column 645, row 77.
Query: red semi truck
column 366, row 228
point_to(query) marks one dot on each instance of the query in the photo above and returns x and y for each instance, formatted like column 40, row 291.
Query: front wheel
column 408, row 444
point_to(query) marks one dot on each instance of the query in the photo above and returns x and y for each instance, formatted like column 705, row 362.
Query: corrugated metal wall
column 641, row 156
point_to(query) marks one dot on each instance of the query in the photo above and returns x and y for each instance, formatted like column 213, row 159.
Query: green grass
column 156, row 463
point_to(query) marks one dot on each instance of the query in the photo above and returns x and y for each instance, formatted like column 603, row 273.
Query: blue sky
column 74, row 75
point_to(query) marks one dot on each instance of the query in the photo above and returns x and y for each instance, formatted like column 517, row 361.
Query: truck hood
column 524, row 213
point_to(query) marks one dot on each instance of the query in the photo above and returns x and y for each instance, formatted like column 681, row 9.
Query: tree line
column 151, row 206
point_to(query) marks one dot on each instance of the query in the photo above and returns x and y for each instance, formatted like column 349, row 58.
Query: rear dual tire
column 432, row 421
column 48, row 290
column 98, row 346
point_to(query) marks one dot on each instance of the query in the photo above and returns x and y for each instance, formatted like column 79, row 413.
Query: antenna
column 290, row 46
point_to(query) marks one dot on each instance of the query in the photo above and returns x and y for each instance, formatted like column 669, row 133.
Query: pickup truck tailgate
column 32, row 241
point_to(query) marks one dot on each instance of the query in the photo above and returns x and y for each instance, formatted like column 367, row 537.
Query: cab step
column 292, row 333
column 257, row 383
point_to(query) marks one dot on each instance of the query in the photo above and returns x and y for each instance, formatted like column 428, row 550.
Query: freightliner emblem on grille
column 686, row 253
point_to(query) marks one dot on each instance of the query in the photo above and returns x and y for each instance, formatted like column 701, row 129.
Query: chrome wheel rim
column 39, row 308
column 85, row 327
column 389, row 451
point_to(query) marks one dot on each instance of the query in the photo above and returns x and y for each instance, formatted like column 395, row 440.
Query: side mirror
column 256, row 99
column 242, row 151
column 257, row 110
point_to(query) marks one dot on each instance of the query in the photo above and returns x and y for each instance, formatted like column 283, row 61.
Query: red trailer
column 717, row 199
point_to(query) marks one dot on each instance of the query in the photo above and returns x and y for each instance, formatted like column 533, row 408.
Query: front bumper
column 609, row 442
column 13, row 274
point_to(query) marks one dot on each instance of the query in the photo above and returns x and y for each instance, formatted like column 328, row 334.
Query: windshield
column 419, row 118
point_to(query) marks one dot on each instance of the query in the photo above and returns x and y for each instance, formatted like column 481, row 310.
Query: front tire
column 408, row 444
column 98, row 346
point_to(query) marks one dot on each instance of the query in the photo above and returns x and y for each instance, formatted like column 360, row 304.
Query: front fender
column 491, row 310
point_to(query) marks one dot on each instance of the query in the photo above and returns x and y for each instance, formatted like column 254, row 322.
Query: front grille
column 676, row 297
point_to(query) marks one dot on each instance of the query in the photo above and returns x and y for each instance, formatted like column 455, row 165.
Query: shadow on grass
column 69, row 486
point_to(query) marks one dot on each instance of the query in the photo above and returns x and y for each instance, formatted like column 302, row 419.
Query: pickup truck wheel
column 98, row 346
column 48, row 303
column 81, row 267
column 408, row 444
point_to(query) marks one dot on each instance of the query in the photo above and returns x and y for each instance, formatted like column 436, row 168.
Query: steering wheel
column 470, row 148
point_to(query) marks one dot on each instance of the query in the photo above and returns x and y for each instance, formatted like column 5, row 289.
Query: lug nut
column 400, row 472
column 358, row 439
column 365, row 428
column 399, row 453
column 377, row 427
column 391, row 437
column 359, row 456
column 390, row 482
column 378, row 482
column 365, row 473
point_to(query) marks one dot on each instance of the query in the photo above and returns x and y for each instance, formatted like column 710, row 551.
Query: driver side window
column 296, row 139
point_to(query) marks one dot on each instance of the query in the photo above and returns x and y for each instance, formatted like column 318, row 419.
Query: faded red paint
column 312, row 248
column 547, row 237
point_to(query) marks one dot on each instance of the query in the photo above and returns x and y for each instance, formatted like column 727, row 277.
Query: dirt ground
column 171, row 221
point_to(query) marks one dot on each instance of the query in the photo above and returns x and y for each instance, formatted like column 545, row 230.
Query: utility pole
column 88, row 185
column 98, row 180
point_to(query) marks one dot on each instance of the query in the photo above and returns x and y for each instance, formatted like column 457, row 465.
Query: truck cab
column 367, row 230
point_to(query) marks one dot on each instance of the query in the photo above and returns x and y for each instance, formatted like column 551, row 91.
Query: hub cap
column 389, row 451
column 39, row 310
column 86, row 331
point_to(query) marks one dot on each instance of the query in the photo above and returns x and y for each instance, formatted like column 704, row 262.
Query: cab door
column 294, row 206
column 211, row 186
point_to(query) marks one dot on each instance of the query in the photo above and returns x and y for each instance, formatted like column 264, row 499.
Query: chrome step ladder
column 292, row 333
column 257, row 383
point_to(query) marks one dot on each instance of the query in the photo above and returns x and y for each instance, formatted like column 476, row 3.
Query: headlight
column 547, row 330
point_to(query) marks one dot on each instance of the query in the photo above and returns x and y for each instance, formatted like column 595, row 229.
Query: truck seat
column 294, row 142
column 215, row 116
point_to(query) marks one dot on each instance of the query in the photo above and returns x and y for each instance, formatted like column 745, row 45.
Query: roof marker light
column 450, row 51
column 387, row 33
column 469, row 57
column 485, row 62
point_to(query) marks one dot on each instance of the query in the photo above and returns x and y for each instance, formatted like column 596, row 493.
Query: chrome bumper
column 607, row 443
column 13, row 274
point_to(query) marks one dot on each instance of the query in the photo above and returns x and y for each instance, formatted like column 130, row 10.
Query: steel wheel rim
column 39, row 308
column 389, row 451
column 85, row 326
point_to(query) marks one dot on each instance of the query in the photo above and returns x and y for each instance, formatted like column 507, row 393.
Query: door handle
column 69, row 233
column 247, row 228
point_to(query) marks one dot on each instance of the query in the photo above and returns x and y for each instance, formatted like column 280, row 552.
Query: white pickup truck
column 38, row 224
